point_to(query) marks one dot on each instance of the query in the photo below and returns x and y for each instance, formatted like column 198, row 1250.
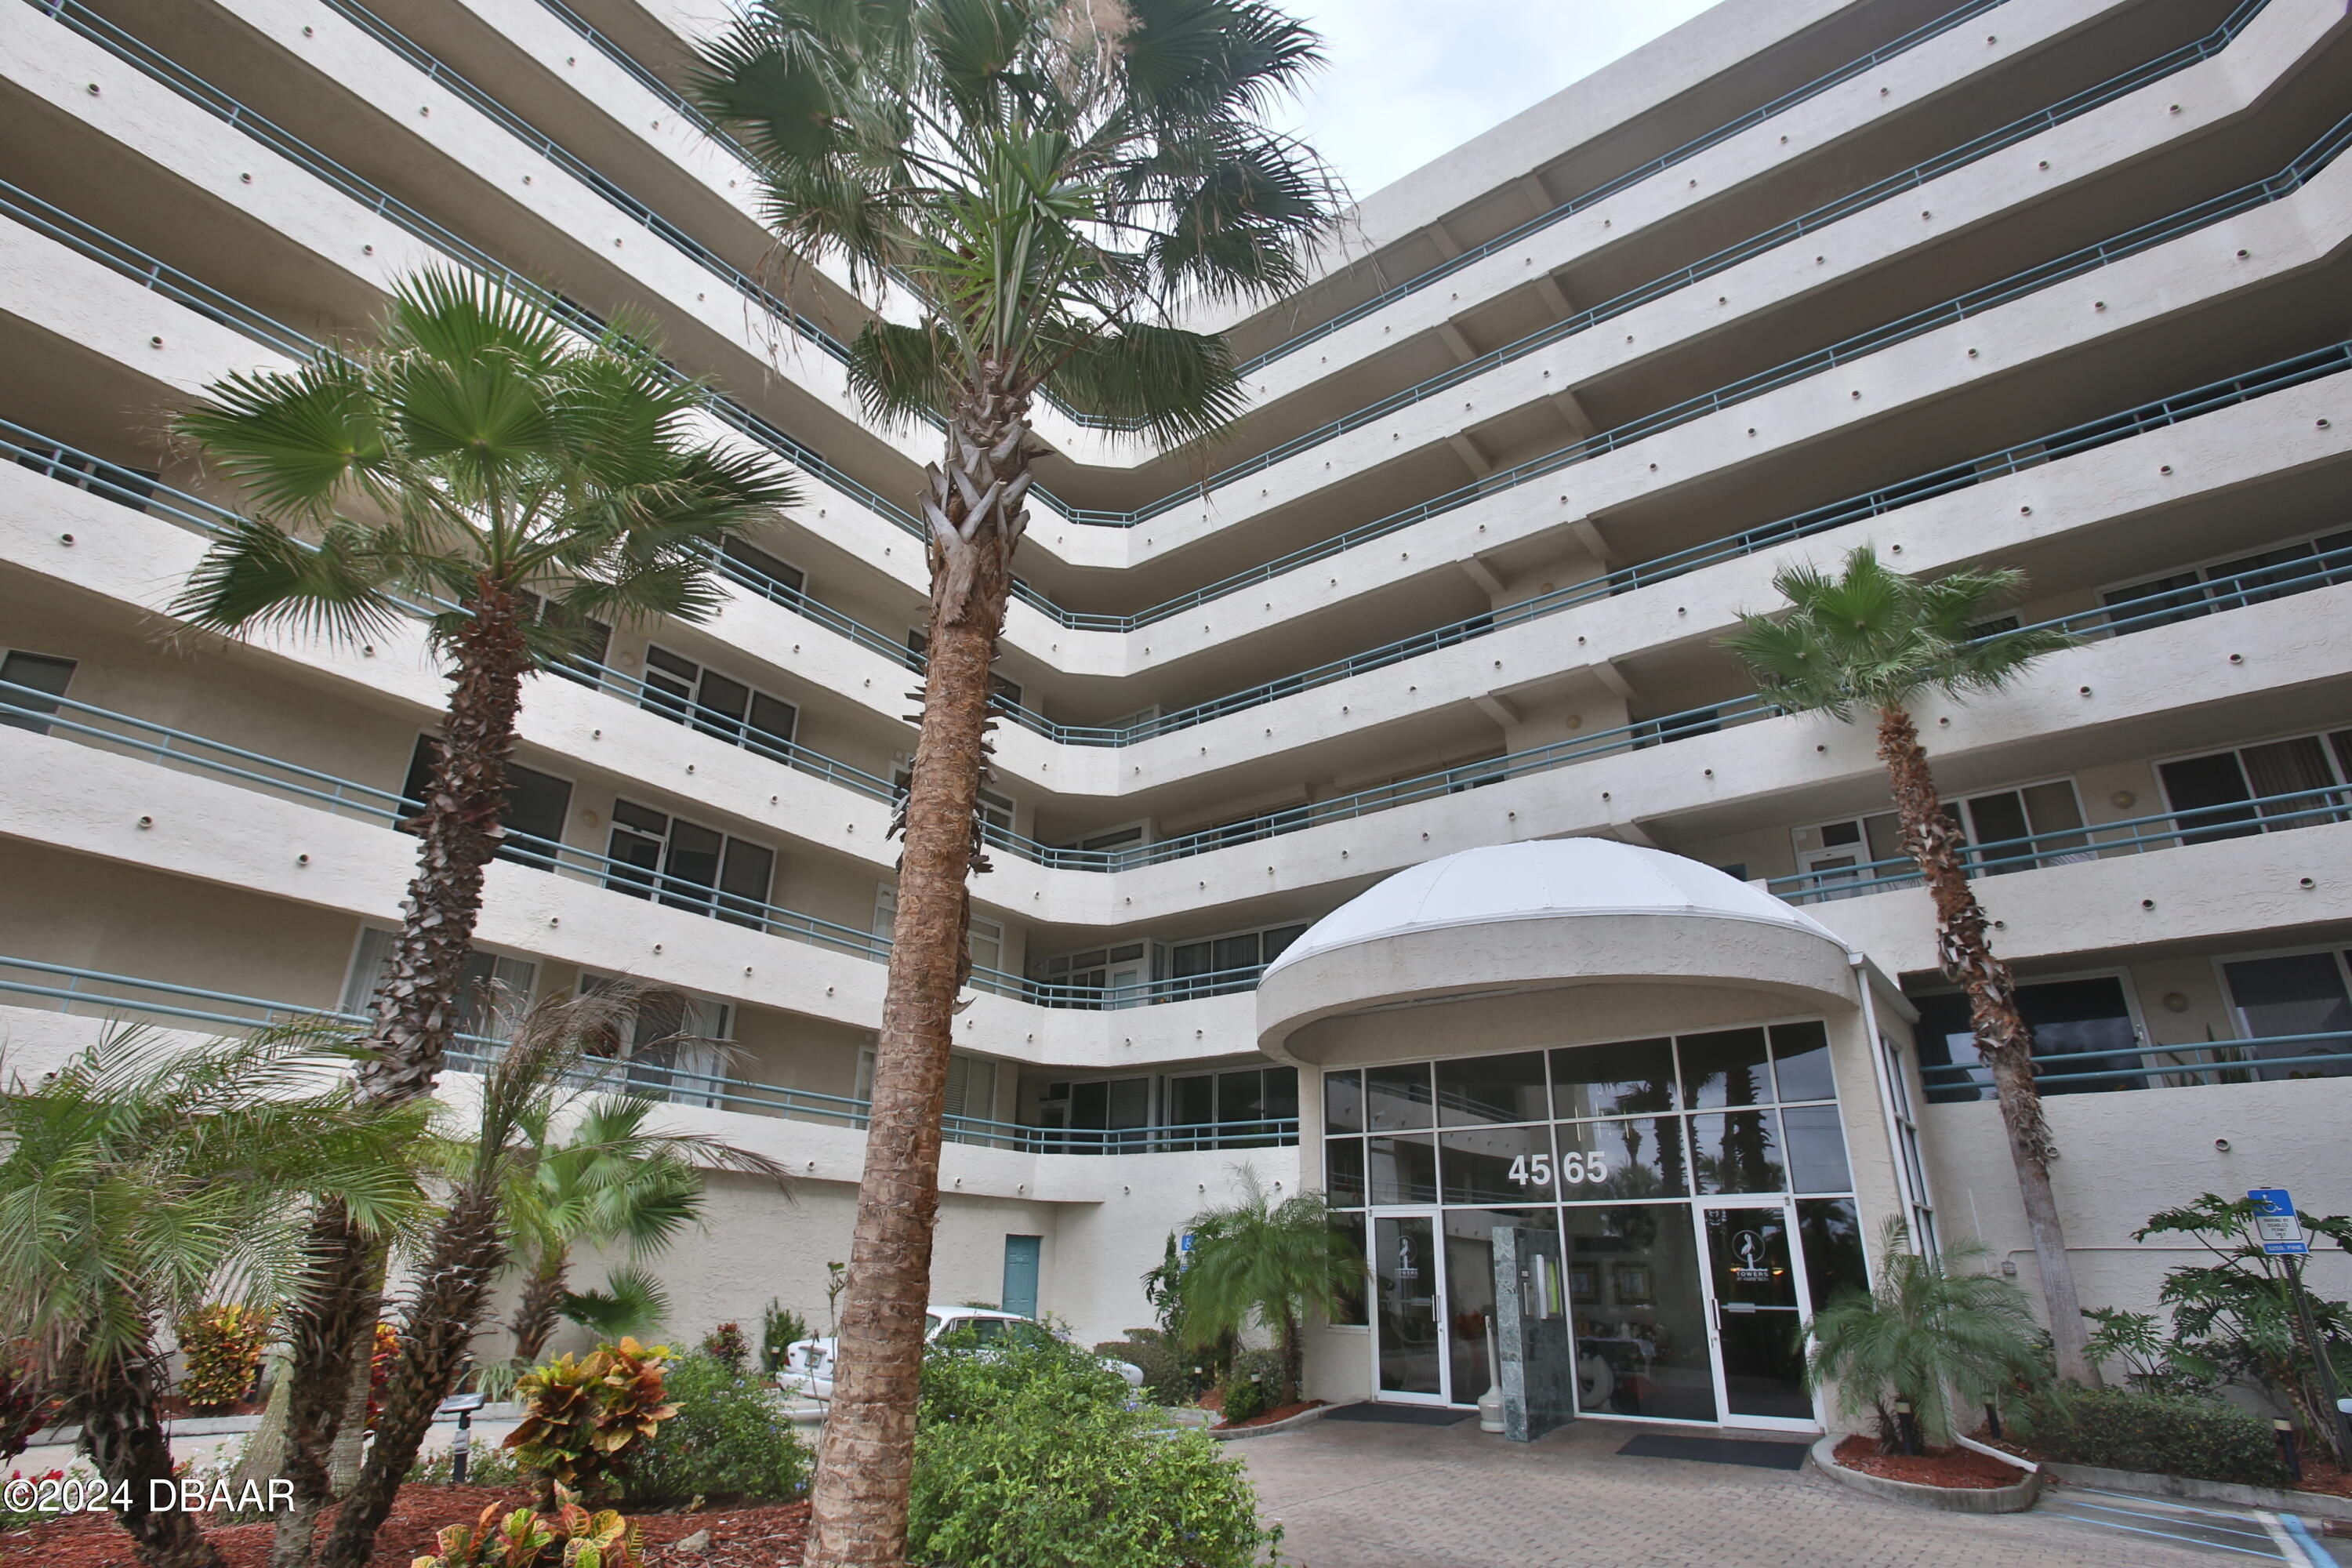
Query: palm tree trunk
column 416, row 1005
column 1294, row 1356
column 327, row 1327
column 865, row 1462
column 1967, row 960
column 123, row 1438
column 536, row 1313
column 436, row 1333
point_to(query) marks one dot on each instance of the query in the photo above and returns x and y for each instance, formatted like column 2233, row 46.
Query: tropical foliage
column 1030, row 185
column 1034, row 1455
column 781, row 1329
column 1266, row 1263
column 582, row 1416
column 1868, row 641
column 220, row 1354
column 2233, row 1317
column 604, row 1179
column 726, row 1345
column 27, row 1404
column 469, row 1242
column 730, row 1438
column 1930, row 1333
column 519, row 487
column 143, row 1182
column 571, row 1536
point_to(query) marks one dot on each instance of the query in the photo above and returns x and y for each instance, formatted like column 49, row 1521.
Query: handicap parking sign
column 2275, row 1225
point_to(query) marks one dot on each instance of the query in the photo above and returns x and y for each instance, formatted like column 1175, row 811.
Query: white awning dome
column 1542, row 879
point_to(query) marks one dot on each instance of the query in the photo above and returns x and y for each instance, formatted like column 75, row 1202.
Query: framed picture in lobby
column 1583, row 1282
column 1631, row 1284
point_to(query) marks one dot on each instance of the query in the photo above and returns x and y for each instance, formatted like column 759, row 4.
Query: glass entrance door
column 1407, row 1284
column 1755, row 1289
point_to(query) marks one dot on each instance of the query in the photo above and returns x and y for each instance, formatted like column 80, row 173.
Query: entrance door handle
column 1740, row 1307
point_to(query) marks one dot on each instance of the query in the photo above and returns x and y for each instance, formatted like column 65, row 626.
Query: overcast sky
column 1410, row 78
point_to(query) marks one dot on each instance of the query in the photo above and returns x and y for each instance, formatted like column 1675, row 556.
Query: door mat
column 1401, row 1415
column 1718, row 1451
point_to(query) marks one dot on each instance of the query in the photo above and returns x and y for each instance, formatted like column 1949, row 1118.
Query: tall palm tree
column 142, row 1180
column 1264, row 1261
column 519, row 483
column 478, row 462
column 532, row 1085
column 1871, row 639
column 1929, row 1329
column 1038, row 181
column 608, row 1180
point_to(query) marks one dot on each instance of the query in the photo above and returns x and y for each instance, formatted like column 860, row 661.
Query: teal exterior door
column 1021, row 1254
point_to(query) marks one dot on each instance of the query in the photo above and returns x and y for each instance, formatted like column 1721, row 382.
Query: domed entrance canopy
column 1544, row 914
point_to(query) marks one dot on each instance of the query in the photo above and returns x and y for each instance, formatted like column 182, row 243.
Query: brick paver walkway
column 1356, row 1495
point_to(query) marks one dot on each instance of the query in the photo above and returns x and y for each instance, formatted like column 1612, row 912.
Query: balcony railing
column 121, row 734
column 167, row 72
column 2266, row 1059
column 90, row 993
column 2073, row 846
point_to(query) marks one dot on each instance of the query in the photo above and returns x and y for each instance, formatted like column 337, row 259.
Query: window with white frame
column 687, row 865
column 1211, row 966
column 1906, row 1149
column 972, row 1082
column 2088, row 1037
column 2294, row 1007
column 692, row 694
column 493, row 990
column 35, row 682
column 2292, row 783
column 2227, row 584
column 1834, row 853
column 1231, row 1108
column 533, row 815
column 675, row 1048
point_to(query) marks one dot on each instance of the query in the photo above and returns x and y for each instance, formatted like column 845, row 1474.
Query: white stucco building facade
column 1376, row 806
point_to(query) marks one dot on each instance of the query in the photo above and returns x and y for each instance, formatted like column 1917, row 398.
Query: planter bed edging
column 2323, row 1505
column 2014, row 1499
column 1234, row 1433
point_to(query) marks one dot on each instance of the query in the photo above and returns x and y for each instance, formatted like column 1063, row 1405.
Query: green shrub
column 1033, row 1455
column 726, row 1345
column 729, row 1439
column 1254, row 1386
column 1167, row 1366
column 781, row 1329
column 2160, row 1434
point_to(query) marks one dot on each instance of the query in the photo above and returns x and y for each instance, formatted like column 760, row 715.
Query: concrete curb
column 2320, row 1505
column 234, row 1425
column 1950, row 1500
column 1286, row 1424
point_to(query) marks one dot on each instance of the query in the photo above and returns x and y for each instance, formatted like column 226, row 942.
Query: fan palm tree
column 606, row 1181
column 140, row 1181
column 519, row 485
column 522, row 484
column 1871, row 639
column 1928, row 1332
column 1038, row 181
column 1257, row 1260
column 532, row 1086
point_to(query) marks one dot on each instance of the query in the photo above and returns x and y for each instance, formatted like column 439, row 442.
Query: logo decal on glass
column 1748, row 1248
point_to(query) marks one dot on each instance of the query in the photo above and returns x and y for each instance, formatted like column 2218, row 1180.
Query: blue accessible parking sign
column 2275, row 1222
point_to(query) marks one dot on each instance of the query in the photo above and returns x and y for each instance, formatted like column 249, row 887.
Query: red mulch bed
column 739, row 1538
column 1279, row 1412
column 1954, row 1466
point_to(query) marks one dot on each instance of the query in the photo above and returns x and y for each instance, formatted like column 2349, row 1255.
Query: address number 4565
column 1535, row 1170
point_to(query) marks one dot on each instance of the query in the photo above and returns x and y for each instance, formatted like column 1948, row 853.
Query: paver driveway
column 1355, row 1495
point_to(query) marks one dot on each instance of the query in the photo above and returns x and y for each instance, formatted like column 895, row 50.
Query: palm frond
column 633, row 1301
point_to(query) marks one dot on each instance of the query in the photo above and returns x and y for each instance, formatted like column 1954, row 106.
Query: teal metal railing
column 73, row 15
column 2267, row 1058
column 2092, row 841
column 64, row 988
column 25, row 707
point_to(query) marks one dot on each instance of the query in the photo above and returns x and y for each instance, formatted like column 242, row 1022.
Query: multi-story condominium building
column 1375, row 806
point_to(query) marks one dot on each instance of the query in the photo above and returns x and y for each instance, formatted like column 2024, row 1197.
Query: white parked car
column 808, row 1364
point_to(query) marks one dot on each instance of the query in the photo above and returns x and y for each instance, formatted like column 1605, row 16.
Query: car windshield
column 931, row 1325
